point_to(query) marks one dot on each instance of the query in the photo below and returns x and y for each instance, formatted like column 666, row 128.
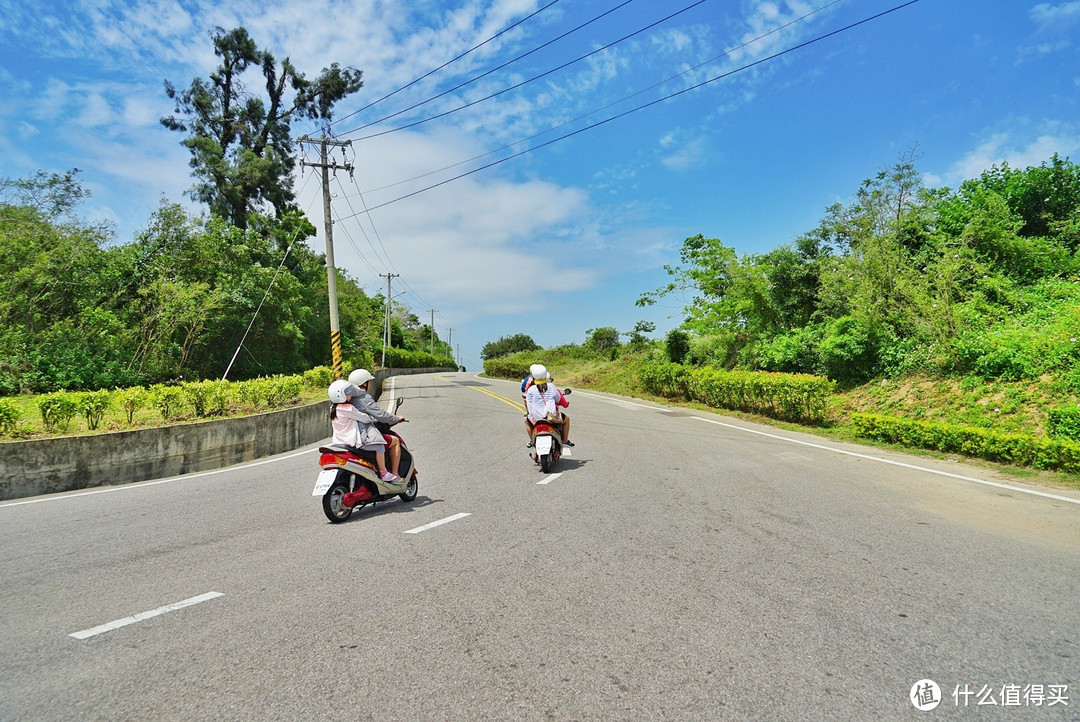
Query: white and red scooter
column 350, row 481
column 547, row 441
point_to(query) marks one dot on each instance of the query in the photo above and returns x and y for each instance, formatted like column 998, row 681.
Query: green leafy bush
column 250, row 393
column 9, row 416
column 320, row 376
column 206, row 398
column 131, row 400
column 795, row 397
column 282, row 390
column 1019, row 449
column 678, row 345
column 670, row 380
column 1064, row 424
column 93, row 405
column 507, row 367
column 57, row 410
column 397, row 358
column 167, row 400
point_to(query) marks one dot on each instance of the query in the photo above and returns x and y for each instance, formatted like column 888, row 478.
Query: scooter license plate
column 323, row 482
column 543, row 445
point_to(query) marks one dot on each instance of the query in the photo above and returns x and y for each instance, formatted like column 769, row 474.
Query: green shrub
column 57, row 410
column 507, row 367
column 167, row 400
column 397, row 358
column 848, row 350
column 206, row 398
column 320, row 376
column 131, row 400
column 678, row 345
column 1018, row 449
column 9, row 416
column 282, row 390
column 670, row 380
column 93, row 405
column 795, row 397
column 1064, row 423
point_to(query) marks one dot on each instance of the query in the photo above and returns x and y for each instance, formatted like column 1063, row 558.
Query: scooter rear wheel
column 546, row 462
column 333, row 502
column 410, row 489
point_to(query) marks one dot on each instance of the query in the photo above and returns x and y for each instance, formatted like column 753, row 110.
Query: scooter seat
column 344, row 449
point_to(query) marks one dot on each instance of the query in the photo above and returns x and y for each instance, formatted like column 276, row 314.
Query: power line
column 385, row 255
column 534, row 78
column 448, row 62
column 613, row 103
column 651, row 103
column 489, row 72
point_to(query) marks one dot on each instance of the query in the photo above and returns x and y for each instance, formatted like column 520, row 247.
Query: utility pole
column 449, row 342
column 331, row 271
column 433, row 331
column 386, row 338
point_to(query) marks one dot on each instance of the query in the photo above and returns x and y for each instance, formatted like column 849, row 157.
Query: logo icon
column 925, row 695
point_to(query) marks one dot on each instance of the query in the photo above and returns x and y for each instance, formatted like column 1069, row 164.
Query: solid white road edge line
column 101, row 629
column 894, row 463
column 621, row 402
column 434, row 524
column 550, row 478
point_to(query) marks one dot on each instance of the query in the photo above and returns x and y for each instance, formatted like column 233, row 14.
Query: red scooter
column 350, row 481
column 547, row 441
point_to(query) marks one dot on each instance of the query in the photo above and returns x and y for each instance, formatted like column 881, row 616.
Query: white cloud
column 680, row 152
column 481, row 245
column 1050, row 15
column 1003, row 148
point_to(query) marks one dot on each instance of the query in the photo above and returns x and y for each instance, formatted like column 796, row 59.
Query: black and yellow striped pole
column 335, row 354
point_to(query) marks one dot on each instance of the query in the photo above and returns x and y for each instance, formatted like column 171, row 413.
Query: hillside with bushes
column 942, row 318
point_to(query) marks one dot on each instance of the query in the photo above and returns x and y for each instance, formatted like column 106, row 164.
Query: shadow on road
column 392, row 506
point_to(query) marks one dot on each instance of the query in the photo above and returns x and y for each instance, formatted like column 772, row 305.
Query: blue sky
column 564, row 238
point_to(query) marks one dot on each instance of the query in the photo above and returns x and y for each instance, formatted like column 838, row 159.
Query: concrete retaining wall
column 46, row 466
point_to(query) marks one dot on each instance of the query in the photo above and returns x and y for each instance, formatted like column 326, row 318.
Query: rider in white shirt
column 542, row 400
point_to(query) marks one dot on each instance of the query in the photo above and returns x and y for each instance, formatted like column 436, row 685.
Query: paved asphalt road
column 679, row 566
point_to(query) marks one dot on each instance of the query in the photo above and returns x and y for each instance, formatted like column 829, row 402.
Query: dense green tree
column 604, row 338
column 240, row 142
column 903, row 277
column 507, row 345
column 636, row 336
column 59, row 323
column 677, row 343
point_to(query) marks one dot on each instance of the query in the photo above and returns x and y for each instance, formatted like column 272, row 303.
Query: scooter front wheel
column 333, row 502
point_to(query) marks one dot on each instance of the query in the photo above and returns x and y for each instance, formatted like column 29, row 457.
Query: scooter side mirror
column 566, row 392
column 398, row 402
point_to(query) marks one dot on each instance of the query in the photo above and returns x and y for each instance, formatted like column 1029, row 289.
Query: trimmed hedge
column 1019, row 449
column 791, row 397
column 398, row 358
column 505, row 367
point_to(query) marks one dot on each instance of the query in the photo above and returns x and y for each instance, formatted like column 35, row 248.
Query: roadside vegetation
column 943, row 319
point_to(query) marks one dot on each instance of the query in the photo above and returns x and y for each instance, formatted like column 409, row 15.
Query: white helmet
column 360, row 377
column 539, row 373
column 338, row 391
